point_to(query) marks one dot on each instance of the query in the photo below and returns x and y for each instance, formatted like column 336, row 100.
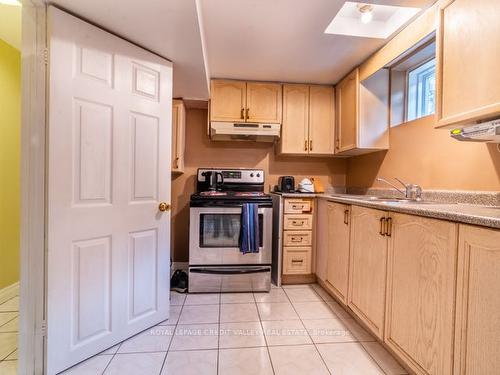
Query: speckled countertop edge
column 443, row 211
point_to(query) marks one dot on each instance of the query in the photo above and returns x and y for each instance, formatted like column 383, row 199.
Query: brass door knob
column 163, row 206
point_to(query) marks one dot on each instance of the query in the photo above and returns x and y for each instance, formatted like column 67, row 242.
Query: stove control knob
column 258, row 174
column 251, row 174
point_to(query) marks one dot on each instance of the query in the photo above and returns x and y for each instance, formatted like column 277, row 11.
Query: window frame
column 407, row 88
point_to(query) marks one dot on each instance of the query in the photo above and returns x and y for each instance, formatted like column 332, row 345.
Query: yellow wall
column 10, row 127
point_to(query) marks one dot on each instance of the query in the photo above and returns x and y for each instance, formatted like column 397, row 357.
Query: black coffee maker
column 212, row 182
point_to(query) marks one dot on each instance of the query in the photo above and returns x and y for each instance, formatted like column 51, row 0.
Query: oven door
column 214, row 234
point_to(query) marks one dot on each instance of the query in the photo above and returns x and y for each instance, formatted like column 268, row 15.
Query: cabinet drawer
column 294, row 222
column 297, row 261
column 297, row 238
column 297, row 206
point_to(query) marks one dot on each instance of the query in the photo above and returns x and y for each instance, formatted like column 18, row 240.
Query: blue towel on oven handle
column 250, row 231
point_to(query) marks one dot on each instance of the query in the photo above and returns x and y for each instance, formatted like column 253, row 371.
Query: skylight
column 370, row 20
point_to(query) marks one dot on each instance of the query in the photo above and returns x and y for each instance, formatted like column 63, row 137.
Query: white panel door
column 109, row 163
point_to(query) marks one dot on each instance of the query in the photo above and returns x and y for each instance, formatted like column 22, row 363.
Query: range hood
column 244, row 131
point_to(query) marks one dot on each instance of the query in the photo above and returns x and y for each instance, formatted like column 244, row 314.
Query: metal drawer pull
column 295, row 207
column 295, row 239
column 297, row 223
column 297, row 260
column 229, row 271
column 388, row 230
column 382, row 220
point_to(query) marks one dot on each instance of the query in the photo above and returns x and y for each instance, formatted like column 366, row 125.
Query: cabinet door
column 347, row 112
column 321, row 120
column 367, row 268
column 294, row 131
column 227, row 100
column 338, row 249
column 178, row 136
column 477, row 325
column 421, row 292
column 467, row 69
column 264, row 102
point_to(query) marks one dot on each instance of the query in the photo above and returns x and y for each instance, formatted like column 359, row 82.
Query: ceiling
column 278, row 40
column 283, row 40
column 10, row 25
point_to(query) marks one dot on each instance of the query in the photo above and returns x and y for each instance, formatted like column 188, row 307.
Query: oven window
column 223, row 230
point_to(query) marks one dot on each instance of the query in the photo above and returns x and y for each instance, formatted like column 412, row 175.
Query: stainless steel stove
column 216, row 263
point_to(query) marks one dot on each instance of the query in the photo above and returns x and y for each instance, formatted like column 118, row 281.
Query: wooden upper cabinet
column 321, row 120
column 264, row 102
column 308, row 120
column 227, row 100
column 347, row 112
column 178, row 136
column 367, row 268
column 294, row 132
column 421, row 292
column 362, row 113
column 338, row 249
column 477, row 323
column 468, row 78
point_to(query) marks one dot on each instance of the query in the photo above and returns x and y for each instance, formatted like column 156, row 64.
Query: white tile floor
column 9, row 330
column 291, row 330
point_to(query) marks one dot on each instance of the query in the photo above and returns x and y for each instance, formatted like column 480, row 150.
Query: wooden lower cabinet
column 477, row 323
column 338, row 218
column 367, row 268
column 421, row 277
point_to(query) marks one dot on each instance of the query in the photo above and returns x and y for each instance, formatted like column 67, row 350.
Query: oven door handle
column 230, row 271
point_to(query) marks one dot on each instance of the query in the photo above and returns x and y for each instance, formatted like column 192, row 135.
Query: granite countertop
column 463, row 212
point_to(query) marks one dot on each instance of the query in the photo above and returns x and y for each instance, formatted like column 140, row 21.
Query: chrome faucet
column 411, row 191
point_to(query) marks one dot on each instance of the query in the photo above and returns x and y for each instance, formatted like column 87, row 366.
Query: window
column 421, row 92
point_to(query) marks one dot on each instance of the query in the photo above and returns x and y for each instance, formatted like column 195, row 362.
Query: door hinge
column 45, row 56
column 43, row 328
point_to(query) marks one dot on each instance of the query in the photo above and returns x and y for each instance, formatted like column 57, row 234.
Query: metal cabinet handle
column 382, row 221
column 248, row 113
column 310, row 145
column 242, row 113
column 297, row 239
column 305, row 145
column 388, row 230
column 296, row 223
column 297, row 260
column 346, row 217
column 296, row 207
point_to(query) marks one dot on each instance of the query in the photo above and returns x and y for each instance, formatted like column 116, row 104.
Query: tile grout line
column 358, row 341
column 315, row 347
column 218, row 336
column 173, row 334
column 264, row 334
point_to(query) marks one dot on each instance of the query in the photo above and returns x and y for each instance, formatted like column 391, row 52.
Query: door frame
column 34, row 60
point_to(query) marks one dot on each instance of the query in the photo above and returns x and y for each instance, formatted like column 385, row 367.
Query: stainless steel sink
column 398, row 200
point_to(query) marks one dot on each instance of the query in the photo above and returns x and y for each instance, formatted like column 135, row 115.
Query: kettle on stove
column 212, row 182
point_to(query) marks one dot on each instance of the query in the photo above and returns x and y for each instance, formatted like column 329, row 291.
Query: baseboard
column 179, row 266
column 9, row 292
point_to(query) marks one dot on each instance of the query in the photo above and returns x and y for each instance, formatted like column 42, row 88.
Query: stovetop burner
column 249, row 194
column 234, row 187
column 213, row 193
